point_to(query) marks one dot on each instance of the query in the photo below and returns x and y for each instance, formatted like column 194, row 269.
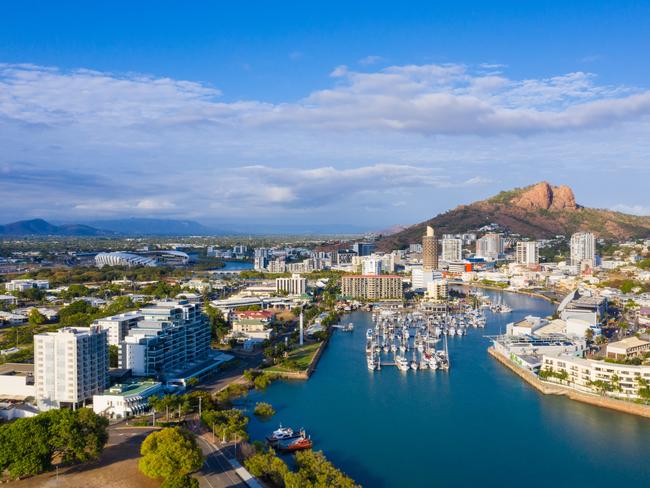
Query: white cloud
column 370, row 60
column 632, row 209
column 80, row 142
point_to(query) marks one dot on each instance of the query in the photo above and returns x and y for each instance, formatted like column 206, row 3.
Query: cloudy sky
column 365, row 116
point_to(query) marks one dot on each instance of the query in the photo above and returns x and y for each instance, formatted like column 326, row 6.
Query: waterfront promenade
column 555, row 389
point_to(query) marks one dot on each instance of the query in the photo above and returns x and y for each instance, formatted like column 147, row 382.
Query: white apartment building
column 70, row 366
column 118, row 326
column 278, row 265
column 452, row 249
column 527, row 253
column 294, row 286
column 172, row 337
column 370, row 265
column 490, row 246
column 438, row 290
column 420, row 278
column 583, row 249
column 24, row 285
column 619, row 380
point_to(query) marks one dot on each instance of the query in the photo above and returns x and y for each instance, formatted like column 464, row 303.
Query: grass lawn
column 302, row 356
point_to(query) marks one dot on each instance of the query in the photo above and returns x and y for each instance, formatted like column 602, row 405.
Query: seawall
column 552, row 389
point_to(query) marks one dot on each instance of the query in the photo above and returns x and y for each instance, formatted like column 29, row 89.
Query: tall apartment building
column 364, row 248
column 172, row 337
column 490, row 246
column 118, row 326
column 527, row 253
column 70, row 366
column 429, row 250
column 371, row 265
column 296, row 285
column 438, row 290
column 375, row 287
column 452, row 249
column 278, row 265
column 583, row 248
column 259, row 263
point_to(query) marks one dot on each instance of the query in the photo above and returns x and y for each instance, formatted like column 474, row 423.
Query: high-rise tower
column 429, row 250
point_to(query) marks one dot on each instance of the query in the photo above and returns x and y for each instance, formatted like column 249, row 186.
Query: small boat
column 370, row 334
column 283, row 434
column 402, row 363
column 299, row 444
column 371, row 362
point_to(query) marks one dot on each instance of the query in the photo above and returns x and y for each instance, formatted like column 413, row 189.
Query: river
column 476, row 425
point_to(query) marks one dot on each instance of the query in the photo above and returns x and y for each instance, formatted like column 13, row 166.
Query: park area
column 298, row 359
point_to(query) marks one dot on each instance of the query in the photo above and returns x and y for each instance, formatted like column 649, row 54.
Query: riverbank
column 553, row 389
column 307, row 372
column 497, row 288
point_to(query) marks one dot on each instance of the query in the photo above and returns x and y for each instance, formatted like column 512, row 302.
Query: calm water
column 477, row 425
column 236, row 266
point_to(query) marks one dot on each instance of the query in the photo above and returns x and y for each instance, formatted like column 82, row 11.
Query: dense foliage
column 29, row 446
column 313, row 471
column 264, row 410
column 171, row 454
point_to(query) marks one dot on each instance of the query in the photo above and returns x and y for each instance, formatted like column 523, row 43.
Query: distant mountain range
column 539, row 211
column 164, row 227
column 107, row 228
column 39, row 227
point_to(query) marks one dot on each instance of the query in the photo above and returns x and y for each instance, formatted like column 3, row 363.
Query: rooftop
column 627, row 343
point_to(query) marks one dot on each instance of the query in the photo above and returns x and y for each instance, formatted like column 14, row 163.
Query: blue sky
column 350, row 113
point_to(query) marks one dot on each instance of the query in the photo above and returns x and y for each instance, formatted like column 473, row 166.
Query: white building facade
column 452, row 249
column 70, row 366
column 527, row 253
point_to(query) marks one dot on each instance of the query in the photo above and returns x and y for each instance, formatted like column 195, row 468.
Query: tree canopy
column 170, row 453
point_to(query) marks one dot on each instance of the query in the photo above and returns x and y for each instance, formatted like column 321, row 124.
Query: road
column 216, row 471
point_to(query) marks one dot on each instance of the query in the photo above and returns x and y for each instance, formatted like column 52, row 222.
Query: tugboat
column 299, row 444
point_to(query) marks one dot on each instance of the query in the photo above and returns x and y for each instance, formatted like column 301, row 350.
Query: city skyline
column 279, row 117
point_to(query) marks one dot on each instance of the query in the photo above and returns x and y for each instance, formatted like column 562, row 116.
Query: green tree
column 227, row 424
column 113, row 355
column 185, row 481
column 268, row 467
column 24, row 447
column 264, row 410
column 36, row 317
column 170, row 453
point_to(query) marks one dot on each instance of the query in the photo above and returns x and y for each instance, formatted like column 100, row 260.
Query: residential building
column 172, row 337
column 126, row 400
column 260, row 263
column 295, row 286
column 118, row 326
column 421, row 278
column 591, row 376
column 24, row 285
column 527, row 253
column 452, row 250
column 371, row 265
column 252, row 325
column 583, row 249
column 364, row 248
column 438, row 290
column 277, row 265
column 415, row 248
column 70, row 366
column 490, row 246
column 429, row 250
column 627, row 348
column 372, row 287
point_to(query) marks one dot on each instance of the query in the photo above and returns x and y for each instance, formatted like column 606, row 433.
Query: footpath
column 554, row 389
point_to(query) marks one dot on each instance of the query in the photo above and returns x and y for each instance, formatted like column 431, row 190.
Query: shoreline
column 560, row 390
column 497, row 288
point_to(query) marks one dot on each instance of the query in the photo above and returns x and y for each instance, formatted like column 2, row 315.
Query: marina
column 417, row 340
column 477, row 402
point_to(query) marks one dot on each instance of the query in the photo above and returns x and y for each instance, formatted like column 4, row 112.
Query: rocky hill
column 538, row 211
